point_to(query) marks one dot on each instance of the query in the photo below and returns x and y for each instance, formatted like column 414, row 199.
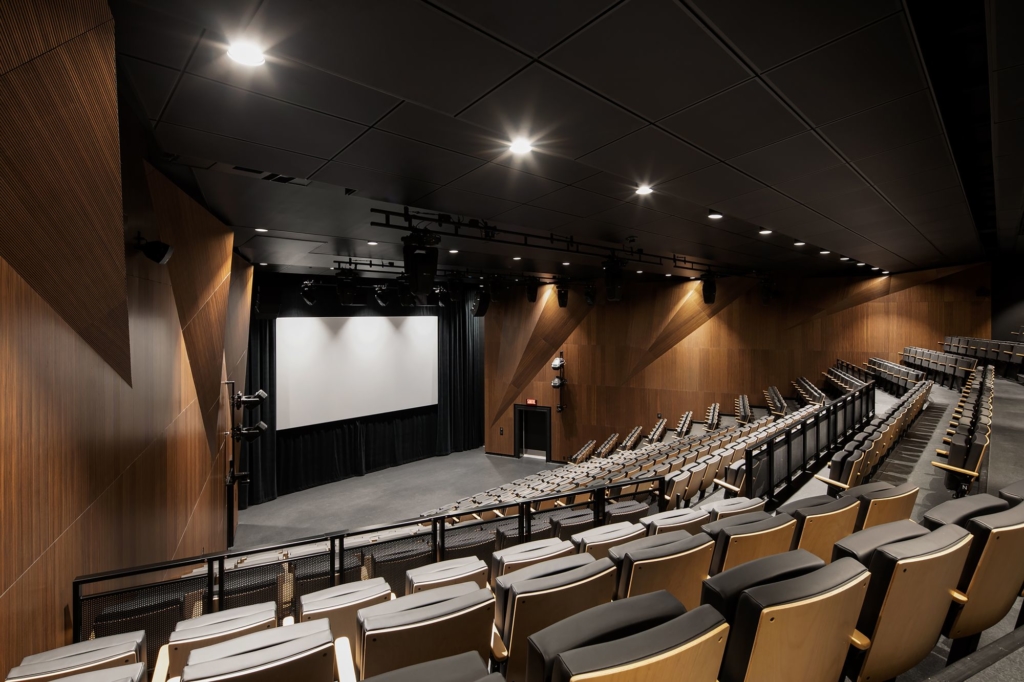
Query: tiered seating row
column 709, row 603
column 657, row 432
column 1007, row 353
column 743, row 412
column 583, row 453
column 685, row 422
column 607, row 446
column 842, row 380
column 632, row 438
column 776, row 403
column 969, row 433
column 712, row 417
column 811, row 394
column 943, row 367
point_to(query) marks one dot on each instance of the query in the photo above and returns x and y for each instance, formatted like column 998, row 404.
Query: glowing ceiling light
column 799, row 243
column 714, row 215
column 824, row 253
column 765, row 232
column 246, row 53
column 261, row 229
column 520, row 145
column 644, row 189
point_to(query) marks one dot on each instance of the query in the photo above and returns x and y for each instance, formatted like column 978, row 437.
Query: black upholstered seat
column 598, row 540
column 723, row 590
column 135, row 672
column 775, row 532
column 959, row 511
column 884, row 505
column 862, row 544
column 676, row 562
column 520, row 556
column 723, row 509
column 93, row 654
column 821, row 521
column 1013, row 493
column 689, row 520
column 465, row 667
column 566, row 523
column 432, row 576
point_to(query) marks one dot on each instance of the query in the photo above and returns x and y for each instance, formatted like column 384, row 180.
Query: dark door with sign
column 533, row 431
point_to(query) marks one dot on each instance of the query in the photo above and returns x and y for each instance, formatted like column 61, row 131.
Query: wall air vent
column 256, row 173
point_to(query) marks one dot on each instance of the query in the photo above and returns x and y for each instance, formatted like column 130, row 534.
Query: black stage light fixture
column 558, row 363
column 590, row 294
column 532, row 286
column 709, row 287
column 481, row 301
column 563, row 294
column 406, row 298
column 613, row 280
column 384, row 296
column 248, row 433
column 156, row 251
column 249, row 402
column 419, row 249
column 308, row 292
column 444, row 297
column 347, row 290
column 558, row 382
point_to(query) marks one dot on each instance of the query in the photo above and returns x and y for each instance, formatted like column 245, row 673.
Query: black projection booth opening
column 296, row 459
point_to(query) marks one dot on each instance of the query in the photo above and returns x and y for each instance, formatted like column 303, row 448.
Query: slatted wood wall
column 112, row 451
column 661, row 349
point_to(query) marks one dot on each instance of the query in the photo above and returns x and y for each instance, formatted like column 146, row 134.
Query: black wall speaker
column 709, row 288
column 481, row 301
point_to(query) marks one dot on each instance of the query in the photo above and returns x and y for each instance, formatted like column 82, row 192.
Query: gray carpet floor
column 385, row 496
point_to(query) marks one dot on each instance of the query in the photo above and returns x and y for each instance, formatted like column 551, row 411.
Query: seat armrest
column 163, row 662
column 955, row 470
column 859, row 640
column 499, row 652
column 727, row 486
column 831, row 482
column 346, row 669
column 942, row 453
column 958, row 596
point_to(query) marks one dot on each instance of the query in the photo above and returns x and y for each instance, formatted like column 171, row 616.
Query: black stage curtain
column 283, row 462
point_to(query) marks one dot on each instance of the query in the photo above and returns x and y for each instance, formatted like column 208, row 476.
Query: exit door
column 533, row 431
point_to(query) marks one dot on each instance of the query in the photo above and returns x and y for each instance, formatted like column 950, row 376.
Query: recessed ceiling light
column 873, row 269
column 799, row 243
column 372, row 243
column 262, row 263
column 765, row 232
column 517, row 258
column 453, row 250
column 693, row 278
column 246, row 53
column 520, row 145
column 885, row 272
column 713, row 214
column 860, row 264
column 668, row 274
column 845, row 258
column 824, row 253
column 565, row 263
column 639, row 272
column 644, row 189
column 261, row 229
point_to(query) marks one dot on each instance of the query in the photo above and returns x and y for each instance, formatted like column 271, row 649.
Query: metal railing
column 112, row 602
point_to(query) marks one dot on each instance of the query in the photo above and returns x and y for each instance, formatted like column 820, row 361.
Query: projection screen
column 333, row 368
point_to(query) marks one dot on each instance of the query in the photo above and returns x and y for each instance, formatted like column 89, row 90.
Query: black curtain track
column 283, row 462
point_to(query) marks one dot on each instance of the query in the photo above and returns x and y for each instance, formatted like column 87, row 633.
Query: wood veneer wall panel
column 688, row 355
column 61, row 223
column 32, row 27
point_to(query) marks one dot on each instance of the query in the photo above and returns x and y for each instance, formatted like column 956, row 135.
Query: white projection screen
column 333, row 368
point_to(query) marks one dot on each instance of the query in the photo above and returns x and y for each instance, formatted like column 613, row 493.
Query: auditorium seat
column 568, row 522
column 883, row 503
column 911, row 590
column 341, row 604
column 650, row 637
column 207, row 630
column 304, row 651
column 689, row 520
column 743, row 538
column 424, row 626
column 465, row 667
column 506, row 534
column 442, row 573
column 630, row 511
column 531, row 599
column 136, row 672
column 723, row 591
column 470, row 541
column 962, row 510
column 676, row 562
column 514, row 558
column 723, row 509
column 392, row 562
column 597, row 541
column 1013, row 493
column 82, row 657
column 799, row 629
column 821, row 521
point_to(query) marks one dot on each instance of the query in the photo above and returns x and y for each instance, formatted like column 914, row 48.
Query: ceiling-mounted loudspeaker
column 481, row 301
column 532, row 286
column 347, row 290
column 709, row 288
column 563, row 295
column 613, row 281
column 590, row 295
column 419, row 250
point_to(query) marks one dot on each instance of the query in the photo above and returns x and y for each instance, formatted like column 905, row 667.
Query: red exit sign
column 531, row 401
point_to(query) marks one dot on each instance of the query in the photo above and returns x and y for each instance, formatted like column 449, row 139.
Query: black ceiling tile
column 558, row 116
column 862, row 70
column 222, row 109
column 374, row 184
column 403, row 47
column 825, row 183
column 427, row 125
column 838, row 206
column 609, row 186
column 278, row 250
column 292, row 82
column 957, row 211
column 531, row 25
column 787, row 159
column 592, row 229
column 199, row 144
column 913, row 206
column 868, row 215
column 739, row 120
column 789, row 217
column 708, row 185
column 754, row 204
column 769, row 33
column 153, row 35
column 671, row 204
column 462, row 203
column 152, row 83
column 225, row 16
column 635, row 51
column 898, row 189
column 402, row 156
column 537, row 218
column 629, row 215
column 906, row 160
column 842, row 241
column 812, row 229
column 548, row 166
column 884, row 127
column 1008, row 84
column 506, row 183
column 649, row 156
column 575, row 201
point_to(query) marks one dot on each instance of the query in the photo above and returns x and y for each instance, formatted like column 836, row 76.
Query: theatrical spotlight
column 308, row 292
column 481, row 301
column 563, row 294
column 156, row 251
column 383, row 295
column 420, row 253
column 440, row 297
column 248, row 433
column 558, row 382
column 709, row 287
column 613, row 280
column 532, row 286
column 249, row 402
column 590, row 294
column 558, row 363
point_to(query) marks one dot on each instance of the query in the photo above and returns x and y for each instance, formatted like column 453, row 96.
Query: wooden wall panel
column 61, row 226
column 32, row 27
column 663, row 350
